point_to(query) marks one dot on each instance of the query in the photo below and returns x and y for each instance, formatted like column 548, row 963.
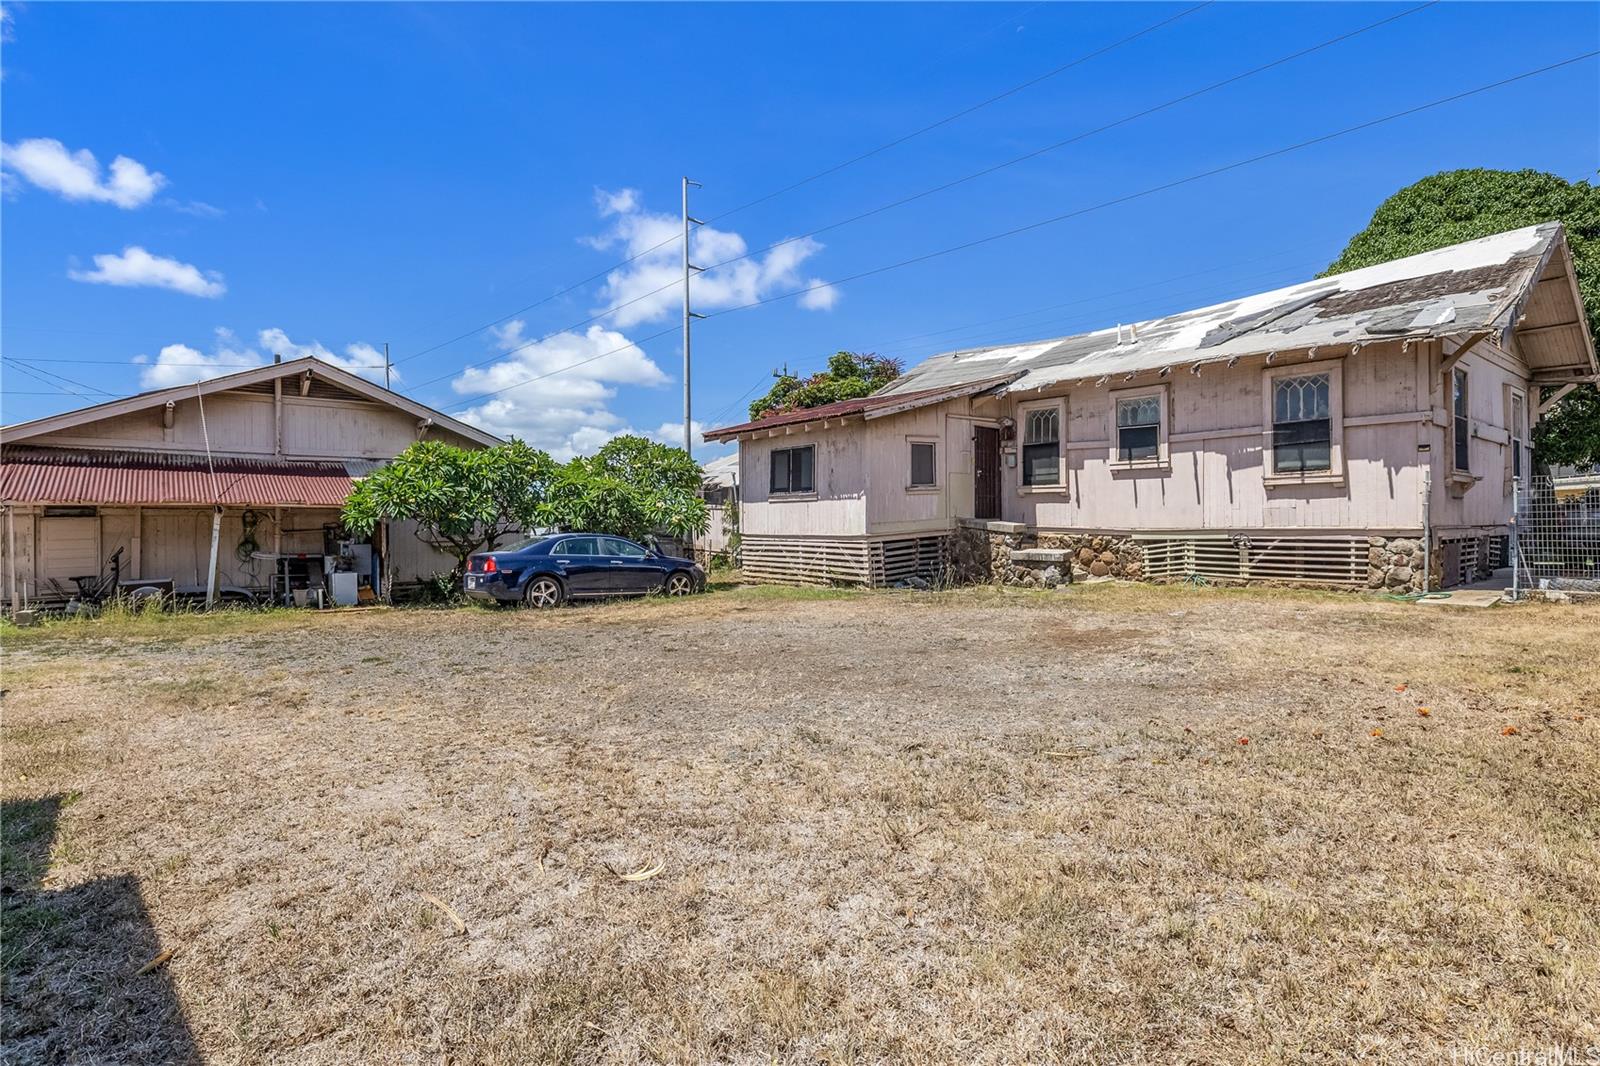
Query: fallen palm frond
column 449, row 911
column 643, row 873
column 156, row 963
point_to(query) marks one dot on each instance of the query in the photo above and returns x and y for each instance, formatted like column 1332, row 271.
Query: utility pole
column 688, row 269
column 386, row 365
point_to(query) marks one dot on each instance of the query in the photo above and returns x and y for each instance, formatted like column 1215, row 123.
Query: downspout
column 277, row 411
column 1427, row 526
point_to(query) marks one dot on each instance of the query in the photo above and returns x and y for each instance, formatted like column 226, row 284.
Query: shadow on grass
column 69, row 959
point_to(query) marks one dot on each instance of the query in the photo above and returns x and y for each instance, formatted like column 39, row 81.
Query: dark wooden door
column 985, row 472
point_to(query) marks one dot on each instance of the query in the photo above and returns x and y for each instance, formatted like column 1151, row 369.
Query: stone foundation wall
column 1002, row 553
column 983, row 556
column 1099, row 555
column 1009, row 554
column 1396, row 564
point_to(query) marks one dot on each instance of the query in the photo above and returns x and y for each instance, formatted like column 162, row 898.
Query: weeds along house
column 278, row 447
column 1359, row 430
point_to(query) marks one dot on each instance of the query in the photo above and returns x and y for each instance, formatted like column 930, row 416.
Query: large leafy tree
column 469, row 500
column 631, row 487
column 849, row 375
column 1462, row 205
column 463, row 498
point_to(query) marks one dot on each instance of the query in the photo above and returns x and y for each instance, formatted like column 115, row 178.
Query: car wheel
column 680, row 584
column 543, row 592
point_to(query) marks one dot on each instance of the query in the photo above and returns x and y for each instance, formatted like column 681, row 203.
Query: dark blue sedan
column 549, row 570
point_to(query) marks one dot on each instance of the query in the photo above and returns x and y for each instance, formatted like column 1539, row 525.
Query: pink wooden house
column 1363, row 430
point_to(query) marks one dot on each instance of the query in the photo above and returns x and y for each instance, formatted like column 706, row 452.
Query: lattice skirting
column 1256, row 557
column 875, row 561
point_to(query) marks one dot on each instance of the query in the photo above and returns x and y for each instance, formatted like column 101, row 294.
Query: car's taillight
column 488, row 564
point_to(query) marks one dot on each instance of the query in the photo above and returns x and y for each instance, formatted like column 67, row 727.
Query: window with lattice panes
column 1302, row 424
column 1138, row 429
column 1041, row 446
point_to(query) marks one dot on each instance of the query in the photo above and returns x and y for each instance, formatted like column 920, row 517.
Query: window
column 1461, row 427
column 923, row 470
column 791, row 469
column 1302, row 424
column 1138, row 429
column 627, row 549
column 577, row 546
column 1519, row 425
column 1041, row 446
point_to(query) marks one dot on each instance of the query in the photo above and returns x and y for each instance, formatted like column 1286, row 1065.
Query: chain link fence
column 1555, row 538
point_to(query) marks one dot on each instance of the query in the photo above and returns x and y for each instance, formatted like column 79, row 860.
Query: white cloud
column 179, row 364
column 47, row 163
column 137, row 267
column 197, row 208
column 820, row 296
column 672, row 433
column 633, row 231
column 360, row 358
column 567, row 413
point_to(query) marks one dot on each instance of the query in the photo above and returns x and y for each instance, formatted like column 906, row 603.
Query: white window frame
column 1059, row 405
column 1163, row 456
column 938, row 481
column 1455, row 437
column 1514, row 394
column 1335, row 474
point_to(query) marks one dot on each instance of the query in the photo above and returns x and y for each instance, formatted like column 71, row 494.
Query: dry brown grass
column 971, row 826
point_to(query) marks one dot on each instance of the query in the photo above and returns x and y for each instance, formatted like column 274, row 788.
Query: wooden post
column 387, row 571
column 11, row 556
column 136, row 546
column 211, row 571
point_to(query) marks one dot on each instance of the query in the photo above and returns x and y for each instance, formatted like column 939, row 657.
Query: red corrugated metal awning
column 57, row 476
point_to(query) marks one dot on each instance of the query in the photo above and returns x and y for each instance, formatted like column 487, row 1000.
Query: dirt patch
column 1109, row 825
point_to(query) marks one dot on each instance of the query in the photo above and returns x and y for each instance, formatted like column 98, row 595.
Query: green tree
column 1462, row 205
column 464, row 498
column 631, row 487
column 470, row 499
column 849, row 375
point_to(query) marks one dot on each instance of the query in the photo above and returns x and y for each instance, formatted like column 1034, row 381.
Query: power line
column 35, row 373
column 1078, row 137
column 1330, row 42
column 163, row 362
column 965, row 111
column 806, row 181
column 1017, row 230
column 889, row 346
column 1213, row 172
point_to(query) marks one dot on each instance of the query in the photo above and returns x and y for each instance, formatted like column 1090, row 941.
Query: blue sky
column 328, row 177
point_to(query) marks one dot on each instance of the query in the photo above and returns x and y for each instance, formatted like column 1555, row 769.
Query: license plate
column 472, row 582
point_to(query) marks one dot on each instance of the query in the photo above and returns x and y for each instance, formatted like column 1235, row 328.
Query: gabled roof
column 878, row 405
column 294, row 367
column 1517, row 283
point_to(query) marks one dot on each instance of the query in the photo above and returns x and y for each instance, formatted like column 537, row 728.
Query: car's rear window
column 521, row 544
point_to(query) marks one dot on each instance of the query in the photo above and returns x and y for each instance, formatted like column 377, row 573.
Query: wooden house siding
column 1216, row 476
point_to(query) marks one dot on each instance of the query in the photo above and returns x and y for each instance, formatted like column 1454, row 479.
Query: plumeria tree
column 470, row 500
column 464, row 498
